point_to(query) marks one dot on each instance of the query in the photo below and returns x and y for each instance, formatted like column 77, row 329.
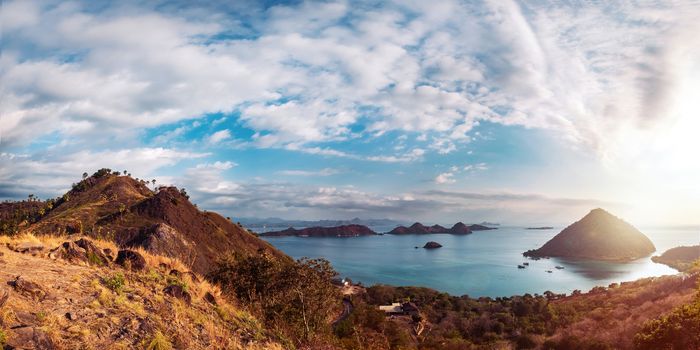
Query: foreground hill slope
column 599, row 235
column 63, row 299
column 125, row 210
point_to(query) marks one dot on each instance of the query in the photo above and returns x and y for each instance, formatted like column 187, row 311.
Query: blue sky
column 520, row 112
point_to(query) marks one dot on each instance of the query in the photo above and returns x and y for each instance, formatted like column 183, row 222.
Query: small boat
column 521, row 266
column 526, row 263
column 549, row 271
column 559, row 267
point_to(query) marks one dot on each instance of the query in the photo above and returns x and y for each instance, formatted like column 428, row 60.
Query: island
column 599, row 236
column 459, row 229
column 336, row 231
column 679, row 258
column 540, row 228
column 432, row 245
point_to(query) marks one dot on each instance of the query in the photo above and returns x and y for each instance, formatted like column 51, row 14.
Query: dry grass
column 139, row 302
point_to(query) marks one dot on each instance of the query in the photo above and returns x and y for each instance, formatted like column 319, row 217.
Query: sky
column 528, row 112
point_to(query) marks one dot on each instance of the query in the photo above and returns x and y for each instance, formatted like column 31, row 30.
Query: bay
column 483, row 263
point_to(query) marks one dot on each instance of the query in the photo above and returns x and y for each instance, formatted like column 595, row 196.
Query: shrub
column 3, row 338
column 159, row 342
column 115, row 282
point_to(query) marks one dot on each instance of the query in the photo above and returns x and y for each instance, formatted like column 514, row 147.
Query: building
column 393, row 309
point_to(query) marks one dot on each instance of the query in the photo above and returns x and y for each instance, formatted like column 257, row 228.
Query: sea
column 484, row 263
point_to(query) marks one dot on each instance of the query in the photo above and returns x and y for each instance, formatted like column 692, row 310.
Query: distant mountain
column 337, row 231
column 599, row 235
column 679, row 258
column 124, row 210
column 418, row 229
column 282, row 223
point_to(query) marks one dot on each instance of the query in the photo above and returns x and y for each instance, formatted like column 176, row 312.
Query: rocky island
column 417, row 228
column 599, row 235
column 336, row 231
column 432, row 245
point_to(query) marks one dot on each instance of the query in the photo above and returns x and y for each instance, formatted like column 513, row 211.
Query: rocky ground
column 70, row 293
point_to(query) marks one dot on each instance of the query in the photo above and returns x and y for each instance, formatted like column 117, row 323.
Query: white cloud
column 321, row 172
column 311, row 71
column 219, row 136
column 445, row 178
column 51, row 174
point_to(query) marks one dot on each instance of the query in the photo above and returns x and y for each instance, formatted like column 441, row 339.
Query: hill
column 679, row 258
column 164, row 221
column 54, row 297
column 599, row 235
column 418, row 229
column 337, row 231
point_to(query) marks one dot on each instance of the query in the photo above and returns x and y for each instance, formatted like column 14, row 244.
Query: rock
column 178, row 292
column 28, row 247
column 432, row 245
column 210, row 298
column 69, row 251
column 108, row 253
column 28, row 288
column 130, row 260
column 93, row 254
column 29, row 338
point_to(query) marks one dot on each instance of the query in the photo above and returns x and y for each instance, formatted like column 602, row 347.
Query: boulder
column 27, row 247
column 28, row 338
column 131, row 260
column 432, row 245
column 28, row 288
column 93, row 254
column 69, row 251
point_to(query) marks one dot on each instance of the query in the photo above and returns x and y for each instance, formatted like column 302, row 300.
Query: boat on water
column 559, row 267
column 526, row 263
column 521, row 266
column 549, row 271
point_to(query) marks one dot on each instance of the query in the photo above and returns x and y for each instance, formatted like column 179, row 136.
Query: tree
column 293, row 297
column 85, row 175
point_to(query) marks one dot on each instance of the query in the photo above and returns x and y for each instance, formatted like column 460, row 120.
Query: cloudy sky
column 518, row 112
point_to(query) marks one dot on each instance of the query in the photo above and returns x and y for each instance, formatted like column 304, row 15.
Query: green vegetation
column 115, row 282
column 3, row 338
column 159, row 342
column 678, row 330
column 294, row 299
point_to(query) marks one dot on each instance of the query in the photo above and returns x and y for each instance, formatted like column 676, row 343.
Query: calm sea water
column 481, row 264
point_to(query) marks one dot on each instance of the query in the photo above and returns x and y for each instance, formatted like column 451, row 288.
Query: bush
column 116, row 282
column 3, row 338
column 159, row 342
column 294, row 297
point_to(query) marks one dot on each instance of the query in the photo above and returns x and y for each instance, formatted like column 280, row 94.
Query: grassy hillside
column 76, row 304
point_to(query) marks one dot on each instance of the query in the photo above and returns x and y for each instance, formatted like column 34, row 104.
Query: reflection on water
column 481, row 264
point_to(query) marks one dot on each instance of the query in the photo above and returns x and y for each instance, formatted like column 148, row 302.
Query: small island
column 432, row 245
column 336, row 231
column 540, row 228
column 599, row 236
column 458, row 229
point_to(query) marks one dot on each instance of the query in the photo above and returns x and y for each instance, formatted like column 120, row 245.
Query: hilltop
column 55, row 294
column 163, row 221
column 598, row 235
